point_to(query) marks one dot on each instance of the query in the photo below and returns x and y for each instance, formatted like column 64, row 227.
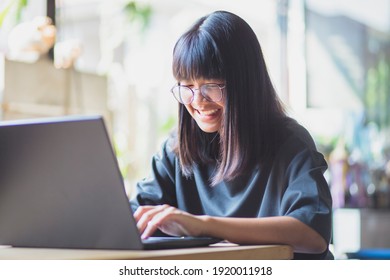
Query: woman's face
column 207, row 114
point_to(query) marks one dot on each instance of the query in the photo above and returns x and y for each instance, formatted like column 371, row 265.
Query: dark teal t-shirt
column 291, row 184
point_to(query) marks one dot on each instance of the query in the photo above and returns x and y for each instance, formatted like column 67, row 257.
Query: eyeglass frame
column 220, row 86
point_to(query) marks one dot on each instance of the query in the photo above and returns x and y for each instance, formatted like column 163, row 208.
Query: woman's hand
column 168, row 219
column 267, row 230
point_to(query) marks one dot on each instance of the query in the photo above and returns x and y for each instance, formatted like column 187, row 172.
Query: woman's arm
column 268, row 230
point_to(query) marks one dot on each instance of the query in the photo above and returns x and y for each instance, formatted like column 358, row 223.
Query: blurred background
column 329, row 61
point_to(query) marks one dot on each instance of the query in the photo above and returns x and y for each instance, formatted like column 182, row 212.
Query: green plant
column 137, row 12
column 377, row 99
column 13, row 7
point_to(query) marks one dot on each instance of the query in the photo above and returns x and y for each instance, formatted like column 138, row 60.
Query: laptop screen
column 60, row 186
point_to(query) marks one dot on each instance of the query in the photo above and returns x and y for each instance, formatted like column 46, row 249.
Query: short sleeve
column 307, row 196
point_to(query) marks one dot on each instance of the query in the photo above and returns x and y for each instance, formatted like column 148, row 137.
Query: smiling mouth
column 208, row 112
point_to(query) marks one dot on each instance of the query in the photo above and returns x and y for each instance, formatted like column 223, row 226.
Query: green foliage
column 18, row 6
column 167, row 126
column 377, row 99
column 137, row 12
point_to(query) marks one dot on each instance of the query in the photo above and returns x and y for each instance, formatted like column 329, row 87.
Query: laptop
column 60, row 187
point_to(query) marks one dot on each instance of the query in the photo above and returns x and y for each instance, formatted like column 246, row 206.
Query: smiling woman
column 237, row 168
column 207, row 106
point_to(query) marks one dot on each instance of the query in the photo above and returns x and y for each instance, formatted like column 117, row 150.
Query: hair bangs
column 196, row 56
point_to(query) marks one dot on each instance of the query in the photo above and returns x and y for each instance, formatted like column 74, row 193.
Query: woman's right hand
column 168, row 219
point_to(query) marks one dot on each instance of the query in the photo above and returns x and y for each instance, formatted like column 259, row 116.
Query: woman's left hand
column 168, row 219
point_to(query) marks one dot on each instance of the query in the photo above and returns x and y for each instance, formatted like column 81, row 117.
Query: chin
column 209, row 129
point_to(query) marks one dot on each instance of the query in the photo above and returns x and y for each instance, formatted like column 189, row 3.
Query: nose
column 198, row 97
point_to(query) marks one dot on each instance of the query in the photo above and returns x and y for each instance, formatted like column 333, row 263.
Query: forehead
column 196, row 57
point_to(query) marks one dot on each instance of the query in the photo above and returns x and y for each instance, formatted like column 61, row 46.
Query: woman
column 237, row 168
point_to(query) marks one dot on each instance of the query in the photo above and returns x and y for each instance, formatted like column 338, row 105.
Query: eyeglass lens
column 211, row 92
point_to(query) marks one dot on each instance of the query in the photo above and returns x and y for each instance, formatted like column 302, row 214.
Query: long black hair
column 223, row 46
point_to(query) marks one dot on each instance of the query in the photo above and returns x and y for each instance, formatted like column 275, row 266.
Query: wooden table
column 219, row 251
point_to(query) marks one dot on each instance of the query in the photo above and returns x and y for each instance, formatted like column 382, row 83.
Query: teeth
column 207, row 113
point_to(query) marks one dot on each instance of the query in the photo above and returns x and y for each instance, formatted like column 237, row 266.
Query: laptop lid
column 60, row 186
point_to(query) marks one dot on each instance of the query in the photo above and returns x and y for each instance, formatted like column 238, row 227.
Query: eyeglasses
column 185, row 94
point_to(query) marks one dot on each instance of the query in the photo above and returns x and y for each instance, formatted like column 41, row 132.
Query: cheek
column 189, row 109
column 222, row 105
